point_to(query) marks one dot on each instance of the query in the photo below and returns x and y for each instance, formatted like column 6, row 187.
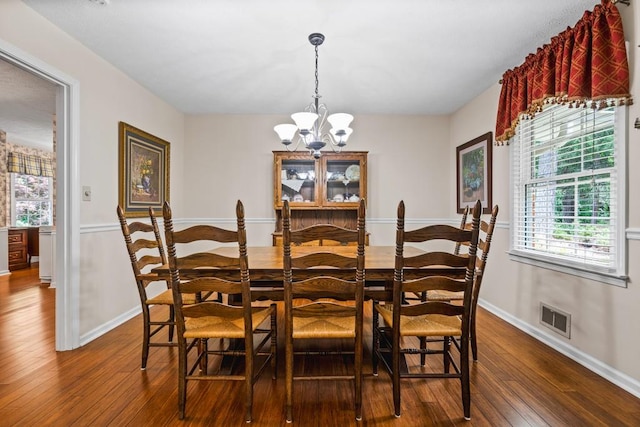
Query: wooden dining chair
column 243, row 329
column 146, row 251
column 320, row 303
column 404, row 320
column 482, row 254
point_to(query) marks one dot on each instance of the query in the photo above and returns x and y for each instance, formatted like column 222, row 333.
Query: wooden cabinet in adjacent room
column 18, row 249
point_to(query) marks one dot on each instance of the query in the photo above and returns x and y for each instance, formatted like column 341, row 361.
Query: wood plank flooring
column 517, row 382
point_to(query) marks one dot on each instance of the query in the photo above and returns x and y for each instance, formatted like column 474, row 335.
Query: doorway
column 67, row 331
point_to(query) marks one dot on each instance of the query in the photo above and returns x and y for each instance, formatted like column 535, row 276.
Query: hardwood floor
column 517, row 382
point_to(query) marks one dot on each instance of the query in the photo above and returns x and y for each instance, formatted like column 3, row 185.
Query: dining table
column 267, row 276
column 266, row 268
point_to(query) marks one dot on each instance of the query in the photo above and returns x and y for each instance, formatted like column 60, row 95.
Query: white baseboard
column 106, row 327
column 618, row 378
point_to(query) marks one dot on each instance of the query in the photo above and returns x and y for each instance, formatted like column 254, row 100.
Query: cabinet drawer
column 17, row 238
column 17, row 255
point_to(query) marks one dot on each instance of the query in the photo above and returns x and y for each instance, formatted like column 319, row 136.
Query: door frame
column 67, row 250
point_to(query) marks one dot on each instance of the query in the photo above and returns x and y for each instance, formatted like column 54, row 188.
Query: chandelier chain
column 317, row 96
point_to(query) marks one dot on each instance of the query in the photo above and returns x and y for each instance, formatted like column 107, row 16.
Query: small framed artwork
column 473, row 173
column 143, row 171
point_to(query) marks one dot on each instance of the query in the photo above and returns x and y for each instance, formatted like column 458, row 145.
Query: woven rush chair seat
column 428, row 325
column 314, row 321
column 442, row 295
column 230, row 326
column 166, row 297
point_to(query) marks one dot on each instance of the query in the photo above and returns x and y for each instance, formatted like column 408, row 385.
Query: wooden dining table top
column 266, row 262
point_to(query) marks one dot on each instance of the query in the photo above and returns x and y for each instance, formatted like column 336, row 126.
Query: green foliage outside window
column 32, row 201
column 587, row 219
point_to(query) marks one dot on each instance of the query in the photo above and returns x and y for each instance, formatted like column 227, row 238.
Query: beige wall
column 106, row 96
column 604, row 317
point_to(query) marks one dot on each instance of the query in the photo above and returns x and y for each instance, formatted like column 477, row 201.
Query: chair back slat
column 324, row 259
column 324, row 287
column 210, row 284
column 431, row 283
column 432, row 307
column 321, row 231
column 206, row 233
column 436, row 258
column 211, row 308
column 437, row 232
column 207, row 260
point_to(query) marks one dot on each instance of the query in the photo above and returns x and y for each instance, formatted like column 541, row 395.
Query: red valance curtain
column 583, row 65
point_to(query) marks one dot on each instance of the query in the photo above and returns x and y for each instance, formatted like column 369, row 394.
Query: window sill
column 564, row 267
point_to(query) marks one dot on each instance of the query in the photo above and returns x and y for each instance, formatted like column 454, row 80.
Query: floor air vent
column 555, row 319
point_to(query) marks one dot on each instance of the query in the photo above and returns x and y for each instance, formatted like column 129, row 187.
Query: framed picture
column 143, row 171
column 473, row 177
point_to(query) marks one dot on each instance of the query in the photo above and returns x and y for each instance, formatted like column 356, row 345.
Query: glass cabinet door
column 342, row 181
column 298, row 181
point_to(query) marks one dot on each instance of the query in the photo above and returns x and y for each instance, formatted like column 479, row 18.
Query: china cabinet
column 326, row 190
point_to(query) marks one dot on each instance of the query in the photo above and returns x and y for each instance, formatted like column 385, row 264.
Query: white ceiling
column 27, row 107
column 253, row 56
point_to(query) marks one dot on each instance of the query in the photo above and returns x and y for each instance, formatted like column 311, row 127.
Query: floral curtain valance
column 583, row 65
column 30, row 165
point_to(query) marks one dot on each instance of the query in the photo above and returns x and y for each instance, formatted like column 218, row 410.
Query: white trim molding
column 618, row 378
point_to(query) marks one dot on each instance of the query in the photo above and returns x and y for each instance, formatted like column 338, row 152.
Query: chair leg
column 289, row 377
column 423, row 347
column 274, row 342
column 464, row 379
column 248, row 382
column 358, row 374
column 146, row 336
column 182, row 378
column 172, row 319
column 376, row 339
column 474, row 343
column 446, row 348
column 395, row 376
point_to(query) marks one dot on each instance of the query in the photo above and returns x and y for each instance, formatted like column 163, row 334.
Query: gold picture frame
column 473, row 173
column 143, row 171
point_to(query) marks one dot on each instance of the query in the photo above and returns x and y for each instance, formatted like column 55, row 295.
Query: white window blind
column 568, row 188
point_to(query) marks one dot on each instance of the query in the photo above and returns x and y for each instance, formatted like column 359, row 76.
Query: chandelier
column 310, row 123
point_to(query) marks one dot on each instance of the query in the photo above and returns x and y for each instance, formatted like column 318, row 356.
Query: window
column 31, row 202
column 569, row 176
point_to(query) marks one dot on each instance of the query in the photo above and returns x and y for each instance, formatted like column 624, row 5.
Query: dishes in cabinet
column 298, row 197
column 338, row 198
column 353, row 173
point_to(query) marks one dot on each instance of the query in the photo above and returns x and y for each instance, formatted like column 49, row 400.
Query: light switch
column 86, row 193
